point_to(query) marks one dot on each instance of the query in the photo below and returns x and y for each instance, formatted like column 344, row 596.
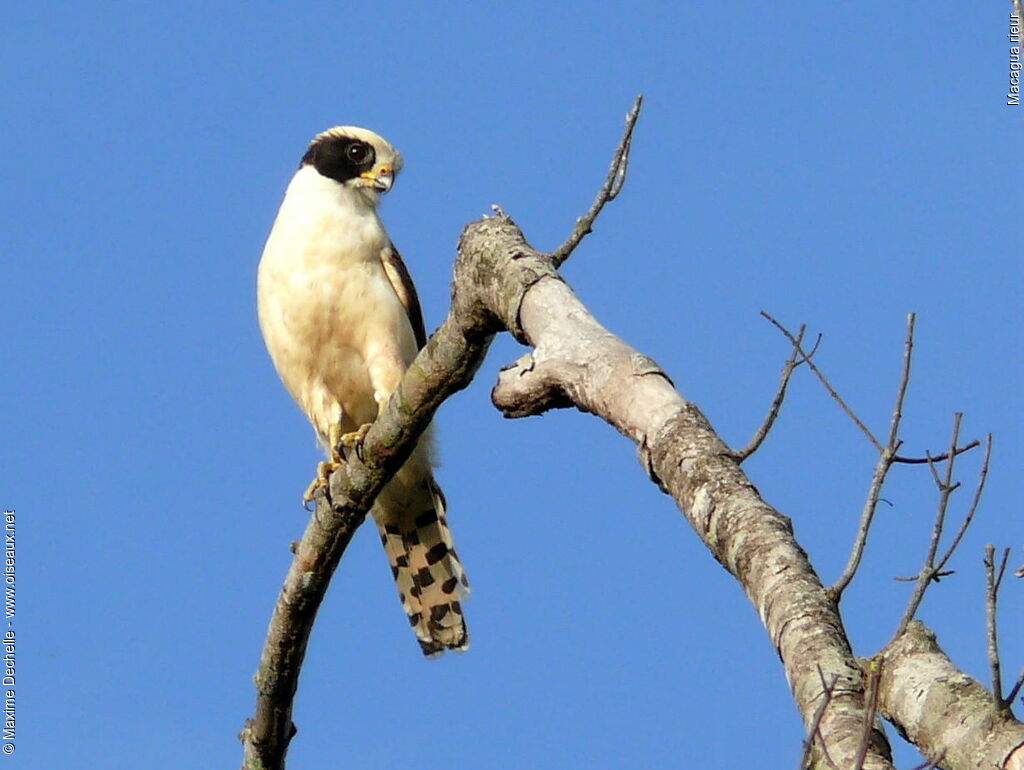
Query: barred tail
column 426, row 568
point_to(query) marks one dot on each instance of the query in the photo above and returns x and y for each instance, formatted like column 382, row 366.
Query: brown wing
column 401, row 282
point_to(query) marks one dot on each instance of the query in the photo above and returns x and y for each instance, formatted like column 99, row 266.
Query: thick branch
column 949, row 716
column 577, row 361
column 502, row 283
column 445, row 365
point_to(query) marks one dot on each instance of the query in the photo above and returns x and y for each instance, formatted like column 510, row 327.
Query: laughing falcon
column 342, row 323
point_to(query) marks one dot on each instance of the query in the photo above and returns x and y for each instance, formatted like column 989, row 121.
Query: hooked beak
column 381, row 179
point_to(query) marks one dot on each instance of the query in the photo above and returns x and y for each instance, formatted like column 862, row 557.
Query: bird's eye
column 357, row 152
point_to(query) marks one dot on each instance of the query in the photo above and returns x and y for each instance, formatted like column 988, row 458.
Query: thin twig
column 867, row 515
column 611, row 188
column 939, row 571
column 935, row 458
column 927, row 573
column 832, row 391
column 993, row 578
column 869, row 713
column 773, row 412
column 936, row 577
column 982, row 475
column 828, row 689
column 1002, row 569
column 885, row 461
column 1015, row 689
column 901, row 394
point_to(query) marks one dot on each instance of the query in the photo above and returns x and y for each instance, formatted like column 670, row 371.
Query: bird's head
column 355, row 158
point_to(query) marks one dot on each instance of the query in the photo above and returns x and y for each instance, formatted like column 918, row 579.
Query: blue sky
column 838, row 169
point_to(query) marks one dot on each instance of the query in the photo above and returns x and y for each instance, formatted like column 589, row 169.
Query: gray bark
column 501, row 283
column 950, row 717
column 576, row 361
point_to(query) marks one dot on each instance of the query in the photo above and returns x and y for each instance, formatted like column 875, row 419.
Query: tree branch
column 828, row 386
column 993, row 579
column 1015, row 689
column 979, row 487
column 927, row 573
column 575, row 360
column 885, row 461
column 780, row 395
column 946, row 714
column 445, row 365
column 874, row 674
column 936, row 458
column 502, row 283
column 609, row 191
column 814, row 731
column 488, row 286
column 932, row 570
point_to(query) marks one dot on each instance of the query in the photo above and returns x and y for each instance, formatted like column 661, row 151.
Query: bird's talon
column 355, row 438
column 353, row 441
column 323, row 475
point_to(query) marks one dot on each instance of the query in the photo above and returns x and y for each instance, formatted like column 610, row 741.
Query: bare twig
column 993, row 579
column 927, row 573
column 773, row 412
column 936, row 577
column 821, row 377
column 869, row 712
column 1015, row 689
column 611, row 188
column 938, row 571
column 866, row 517
column 885, row 461
column 935, row 458
column 814, row 733
column 901, row 394
column 982, row 475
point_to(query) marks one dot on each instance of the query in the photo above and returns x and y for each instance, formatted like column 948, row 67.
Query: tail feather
column 429, row 576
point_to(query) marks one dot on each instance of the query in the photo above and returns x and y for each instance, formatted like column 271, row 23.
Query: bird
column 342, row 322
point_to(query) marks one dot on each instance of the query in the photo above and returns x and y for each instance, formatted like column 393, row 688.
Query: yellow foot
column 323, row 473
column 355, row 438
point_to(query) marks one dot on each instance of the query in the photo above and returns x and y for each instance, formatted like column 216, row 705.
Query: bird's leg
column 335, row 441
column 323, row 474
